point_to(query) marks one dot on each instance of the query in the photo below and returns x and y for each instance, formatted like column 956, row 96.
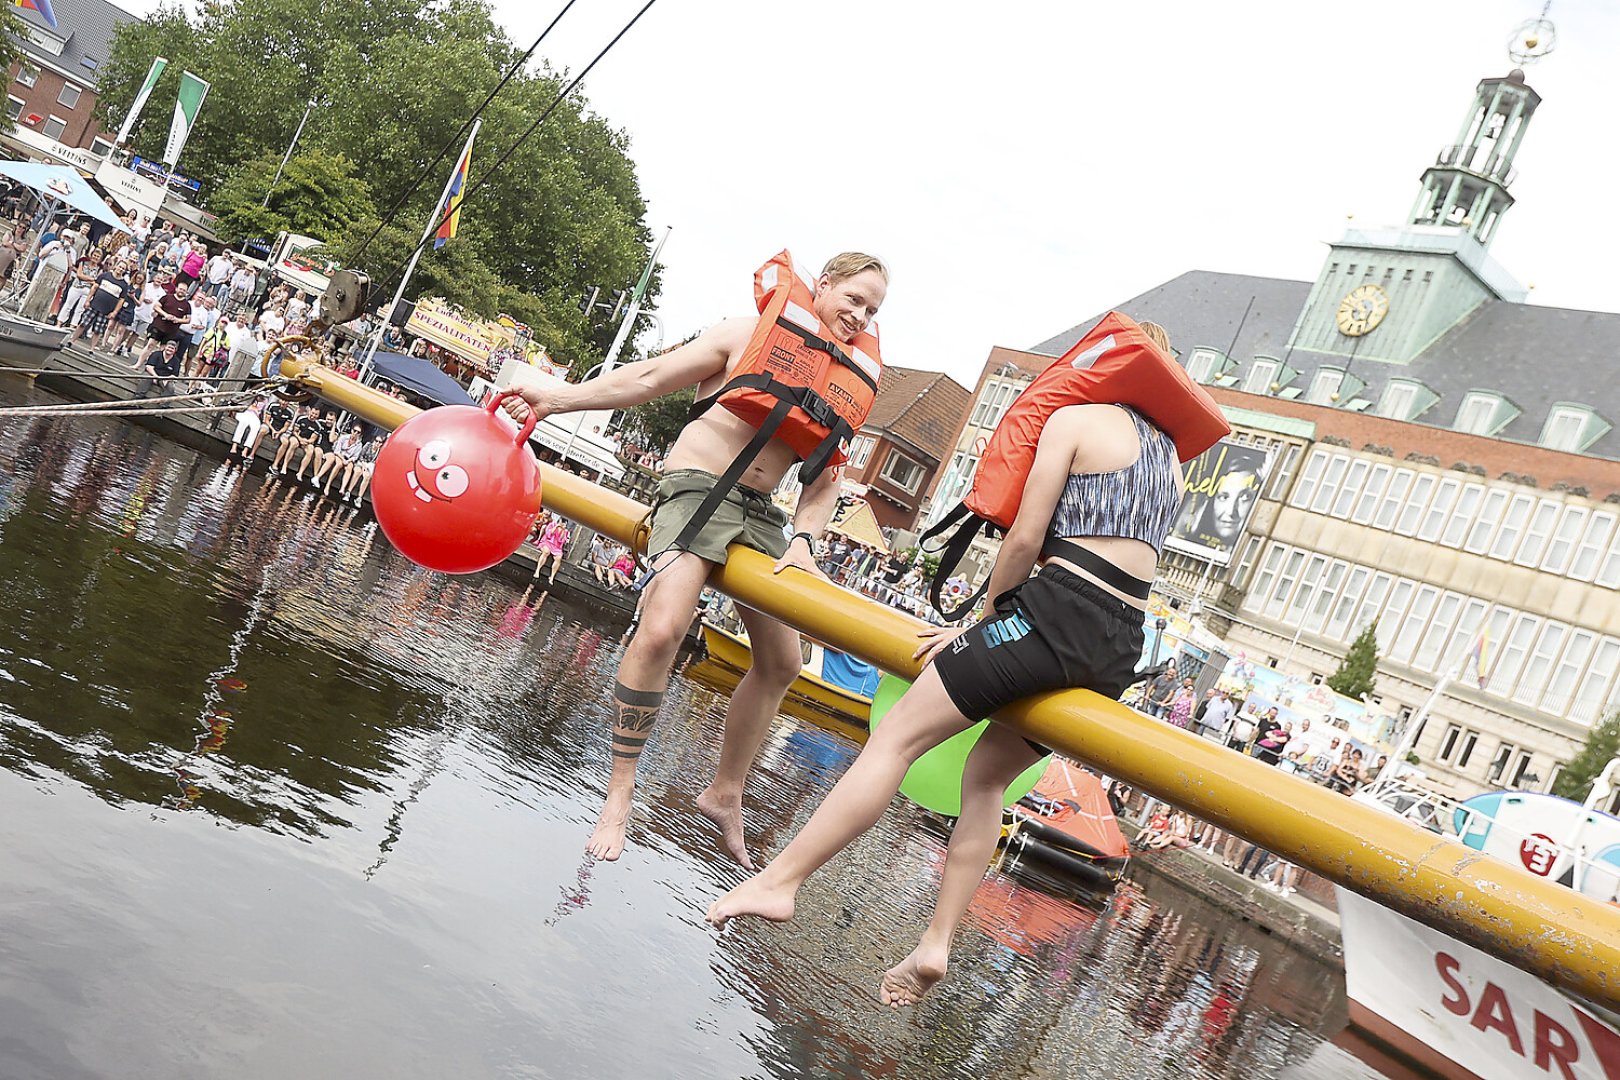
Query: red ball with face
column 457, row 489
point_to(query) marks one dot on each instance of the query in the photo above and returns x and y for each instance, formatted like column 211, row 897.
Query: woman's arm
column 1054, row 459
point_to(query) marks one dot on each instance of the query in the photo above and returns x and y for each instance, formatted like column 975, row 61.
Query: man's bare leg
column 923, row 718
column 643, row 677
column 997, row 759
column 774, row 664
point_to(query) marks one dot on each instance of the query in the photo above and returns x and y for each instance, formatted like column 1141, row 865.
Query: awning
column 860, row 524
column 416, row 374
column 63, row 183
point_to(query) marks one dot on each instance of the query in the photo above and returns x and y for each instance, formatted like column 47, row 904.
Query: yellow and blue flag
column 450, row 209
column 41, row 6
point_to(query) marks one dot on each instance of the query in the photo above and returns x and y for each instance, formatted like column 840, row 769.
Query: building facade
column 1442, row 466
column 51, row 93
column 894, row 459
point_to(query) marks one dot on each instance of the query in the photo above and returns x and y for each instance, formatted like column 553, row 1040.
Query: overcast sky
column 1024, row 165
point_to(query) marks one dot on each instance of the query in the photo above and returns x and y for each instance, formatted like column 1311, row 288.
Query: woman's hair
column 1156, row 334
column 851, row 263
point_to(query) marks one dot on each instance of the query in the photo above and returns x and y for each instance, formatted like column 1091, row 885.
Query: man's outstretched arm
column 816, row 505
column 634, row 384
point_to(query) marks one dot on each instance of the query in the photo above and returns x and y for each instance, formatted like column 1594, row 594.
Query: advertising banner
column 1223, row 484
column 192, row 91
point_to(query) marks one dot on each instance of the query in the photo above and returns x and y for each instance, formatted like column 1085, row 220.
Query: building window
column 1448, row 742
column 1515, row 646
column 1570, row 428
column 1325, row 386
column 27, row 76
column 1268, row 574
column 1445, row 497
column 1377, row 481
column 1465, row 750
column 69, row 97
column 1352, row 488
column 902, row 471
column 1552, row 777
column 1338, row 626
column 1411, row 629
column 1399, row 596
column 1518, row 515
column 1477, row 414
column 1311, row 477
column 1416, row 504
column 14, row 107
column 1325, row 596
column 1490, row 515
column 1536, row 536
column 1566, row 676
column 1564, row 536
column 1372, row 603
column 860, row 450
column 1609, row 575
column 1591, row 547
column 1530, row 686
column 54, row 126
column 1285, row 584
column 1330, row 484
column 1262, row 373
column 1445, row 614
column 1201, row 365
column 1245, row 563
column 1596, row 695
column 1399, row 485
column 100, row 147
column 1288, row 458
column 1463, row 515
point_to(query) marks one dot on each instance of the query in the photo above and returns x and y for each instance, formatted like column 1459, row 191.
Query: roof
column 87, row 26
column 924, row 408
column 1534, row 356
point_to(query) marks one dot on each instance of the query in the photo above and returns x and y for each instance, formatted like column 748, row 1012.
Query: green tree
column 319, row 195
column 656, row 424
column 1359, row 667
column 1602, row 746
column 12, row 31
column 393, row 81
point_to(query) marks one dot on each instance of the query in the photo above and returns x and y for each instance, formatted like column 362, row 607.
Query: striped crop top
column 1138, row 502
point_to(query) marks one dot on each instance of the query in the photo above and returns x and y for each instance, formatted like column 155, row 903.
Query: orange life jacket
column 794, row 382
column 792, row 360
column 1114, row 363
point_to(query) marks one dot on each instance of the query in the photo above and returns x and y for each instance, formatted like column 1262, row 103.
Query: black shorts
column 1056, row 631
column 162, row 337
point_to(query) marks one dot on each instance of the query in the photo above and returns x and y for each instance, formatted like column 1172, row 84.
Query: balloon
column 457, row 488
column 934, row 781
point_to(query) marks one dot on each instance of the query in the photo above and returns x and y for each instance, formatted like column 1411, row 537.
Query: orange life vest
column 794, row 382
column 1114, row 363
column 793, row 362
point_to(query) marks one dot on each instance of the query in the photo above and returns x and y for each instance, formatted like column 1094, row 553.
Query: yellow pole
column 1567, row 939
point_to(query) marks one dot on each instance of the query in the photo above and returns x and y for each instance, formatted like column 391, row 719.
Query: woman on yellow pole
column 1097, row 505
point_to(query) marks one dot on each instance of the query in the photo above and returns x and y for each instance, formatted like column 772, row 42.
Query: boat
column 24, row 342
column 831, row 681
column 1452, row 1009
column 1068, row 824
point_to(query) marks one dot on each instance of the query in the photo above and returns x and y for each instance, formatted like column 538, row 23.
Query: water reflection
column 275, row 802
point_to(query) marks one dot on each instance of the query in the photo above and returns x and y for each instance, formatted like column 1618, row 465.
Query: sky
column 1025, row 165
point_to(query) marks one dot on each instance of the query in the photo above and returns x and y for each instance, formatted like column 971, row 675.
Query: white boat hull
column 1461, row 1013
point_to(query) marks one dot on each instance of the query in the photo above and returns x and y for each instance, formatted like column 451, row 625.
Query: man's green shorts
column 746, row 515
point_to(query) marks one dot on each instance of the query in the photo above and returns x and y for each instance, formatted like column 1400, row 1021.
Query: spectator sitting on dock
column 550, row 539
column 358, row 478
column 110, row 296
column 249, row 425
column 162, row 367
column 318, row 446
column 345, row 452
column 280, row 418
column 306, row 431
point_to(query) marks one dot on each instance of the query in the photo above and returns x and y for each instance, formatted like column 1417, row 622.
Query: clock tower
column 1385, row 294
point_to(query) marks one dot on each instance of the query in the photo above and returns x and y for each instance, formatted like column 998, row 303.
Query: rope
column 40, row 410
column 455, row 140
column 466, row 196
column 103, row 374
column 94, row 406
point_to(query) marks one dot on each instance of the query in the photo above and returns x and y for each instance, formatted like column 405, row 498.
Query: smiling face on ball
column 434, row 477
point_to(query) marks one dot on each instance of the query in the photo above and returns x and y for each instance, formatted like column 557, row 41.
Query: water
column 274, row 803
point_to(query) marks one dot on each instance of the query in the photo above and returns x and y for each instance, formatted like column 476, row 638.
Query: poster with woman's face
column 1223, row 484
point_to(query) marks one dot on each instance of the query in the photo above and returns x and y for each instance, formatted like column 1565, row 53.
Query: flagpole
column 624, row 331
column 435, row 220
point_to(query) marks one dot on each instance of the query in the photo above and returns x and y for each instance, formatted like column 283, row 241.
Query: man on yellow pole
column 716, row 489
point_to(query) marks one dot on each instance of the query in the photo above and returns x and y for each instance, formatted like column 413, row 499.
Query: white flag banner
column 158, row 65
column 186, row 107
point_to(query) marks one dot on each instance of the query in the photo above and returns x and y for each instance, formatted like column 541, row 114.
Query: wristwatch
column 809, row 540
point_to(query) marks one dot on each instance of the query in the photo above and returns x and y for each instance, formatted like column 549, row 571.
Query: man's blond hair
column 851, row 263
column 1158, row 335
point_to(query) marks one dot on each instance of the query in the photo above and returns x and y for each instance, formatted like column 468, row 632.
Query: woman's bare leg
column 997, row 759
column 921, row 719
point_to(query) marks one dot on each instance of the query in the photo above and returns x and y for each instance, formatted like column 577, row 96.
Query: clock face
column 1362, row 311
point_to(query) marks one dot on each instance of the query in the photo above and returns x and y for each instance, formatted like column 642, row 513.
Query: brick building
column 51, row 94
column 898, row 451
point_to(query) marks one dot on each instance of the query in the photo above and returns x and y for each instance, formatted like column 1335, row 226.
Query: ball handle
column 528, row 425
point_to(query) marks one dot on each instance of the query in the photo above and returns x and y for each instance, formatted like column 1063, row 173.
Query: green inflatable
column 934, row 781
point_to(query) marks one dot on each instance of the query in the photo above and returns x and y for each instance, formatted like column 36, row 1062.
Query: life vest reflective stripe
column 1114, row 363
column 794, row 382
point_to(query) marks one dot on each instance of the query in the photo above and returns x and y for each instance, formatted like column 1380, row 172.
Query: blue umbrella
column 63, row 184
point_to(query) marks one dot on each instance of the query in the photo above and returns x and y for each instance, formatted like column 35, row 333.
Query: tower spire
column 1467, row 186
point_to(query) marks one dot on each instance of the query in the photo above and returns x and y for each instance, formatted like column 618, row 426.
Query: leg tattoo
column 637, row 712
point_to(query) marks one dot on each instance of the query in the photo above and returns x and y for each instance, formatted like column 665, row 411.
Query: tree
column 12, row 31
column 1359, row 668
column 319, row 195
column 393, row 81
column 656, row 424
column 1602, row 746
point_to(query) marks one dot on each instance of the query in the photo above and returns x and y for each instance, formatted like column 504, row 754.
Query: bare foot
column 608, row 840
column 727, row 817
column 756, row 897
column 906, row 982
